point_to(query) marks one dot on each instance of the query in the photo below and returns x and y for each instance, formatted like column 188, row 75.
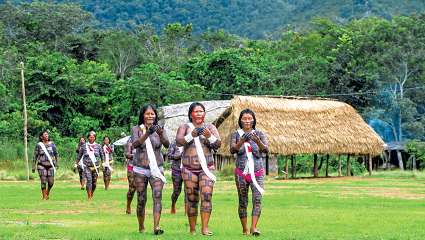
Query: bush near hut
column 417, row 150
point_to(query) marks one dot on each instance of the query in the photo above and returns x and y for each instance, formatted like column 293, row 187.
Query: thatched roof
column 301, row 126
column 173, row 116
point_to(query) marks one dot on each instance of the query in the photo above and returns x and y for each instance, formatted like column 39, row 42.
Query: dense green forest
column 253, row 19
column 79, row 75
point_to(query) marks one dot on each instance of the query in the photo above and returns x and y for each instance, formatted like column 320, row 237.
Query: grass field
column 385, row 206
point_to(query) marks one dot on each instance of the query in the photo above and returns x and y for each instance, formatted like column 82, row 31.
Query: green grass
column 386, row 206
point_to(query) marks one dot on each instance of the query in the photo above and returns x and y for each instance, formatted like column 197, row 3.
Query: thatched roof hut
column 303, row 126
column 173, row 116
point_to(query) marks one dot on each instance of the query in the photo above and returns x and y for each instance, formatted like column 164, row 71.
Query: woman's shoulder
column 135, row 128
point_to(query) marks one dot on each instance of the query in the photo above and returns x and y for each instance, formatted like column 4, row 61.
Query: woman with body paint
column 147, row 139
column 46, row 161
column 91, row 154
column 248, row 143
column 199, row 140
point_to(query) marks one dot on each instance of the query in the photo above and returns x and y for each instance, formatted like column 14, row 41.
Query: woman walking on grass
column 199, row 140
column 91, row 154
column 108, row 150
column 46, row 161
column 147, row 139
column 248, row 144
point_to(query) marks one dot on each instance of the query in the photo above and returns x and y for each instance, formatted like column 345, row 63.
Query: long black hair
column 247, row 111
column 142, row 112
column 191, row 107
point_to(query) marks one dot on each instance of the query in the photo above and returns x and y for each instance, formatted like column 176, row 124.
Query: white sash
column 92, row 157
column 107, row 163
column 201, row 155
column 48, row 155
column 153, row 165
column 249, row 166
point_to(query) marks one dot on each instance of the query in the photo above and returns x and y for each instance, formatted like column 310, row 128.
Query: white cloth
column 107, row 163
column 92, row 157
column 201, row 155
column 48, row 155
column 144, row 171
column 249, row 166
column 153, row 165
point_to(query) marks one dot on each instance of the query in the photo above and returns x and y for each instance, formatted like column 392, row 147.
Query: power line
column 370, row 92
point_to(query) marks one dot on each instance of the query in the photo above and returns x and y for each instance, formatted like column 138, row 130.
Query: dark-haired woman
column 79, row 166
column 108, row 150
column 46, row 161
column 91, row 154
column 147, row 139
column 248, row 144
column 199, row 140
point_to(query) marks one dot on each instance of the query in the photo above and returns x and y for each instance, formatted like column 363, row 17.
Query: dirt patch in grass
column 33, row 223
column 57, row 212
column 403, row 193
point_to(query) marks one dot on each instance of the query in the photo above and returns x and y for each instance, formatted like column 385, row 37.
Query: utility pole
column 25, row 121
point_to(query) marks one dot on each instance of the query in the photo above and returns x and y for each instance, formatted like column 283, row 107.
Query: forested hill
column 248, row 18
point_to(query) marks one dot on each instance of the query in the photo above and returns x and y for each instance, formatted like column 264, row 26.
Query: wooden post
column 292, row 167
column 24, row 101
column 400, row 160
column 286, row 168
column 413, row 162
column 388, row 166
column 348, row 172
column 339, row 166
column 315, row 167
column 370, row 165
column 327, row 164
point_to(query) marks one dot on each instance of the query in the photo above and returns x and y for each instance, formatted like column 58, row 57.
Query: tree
column 44, row 22
column 229, row 71
column 122, row 51
column 400, row 65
